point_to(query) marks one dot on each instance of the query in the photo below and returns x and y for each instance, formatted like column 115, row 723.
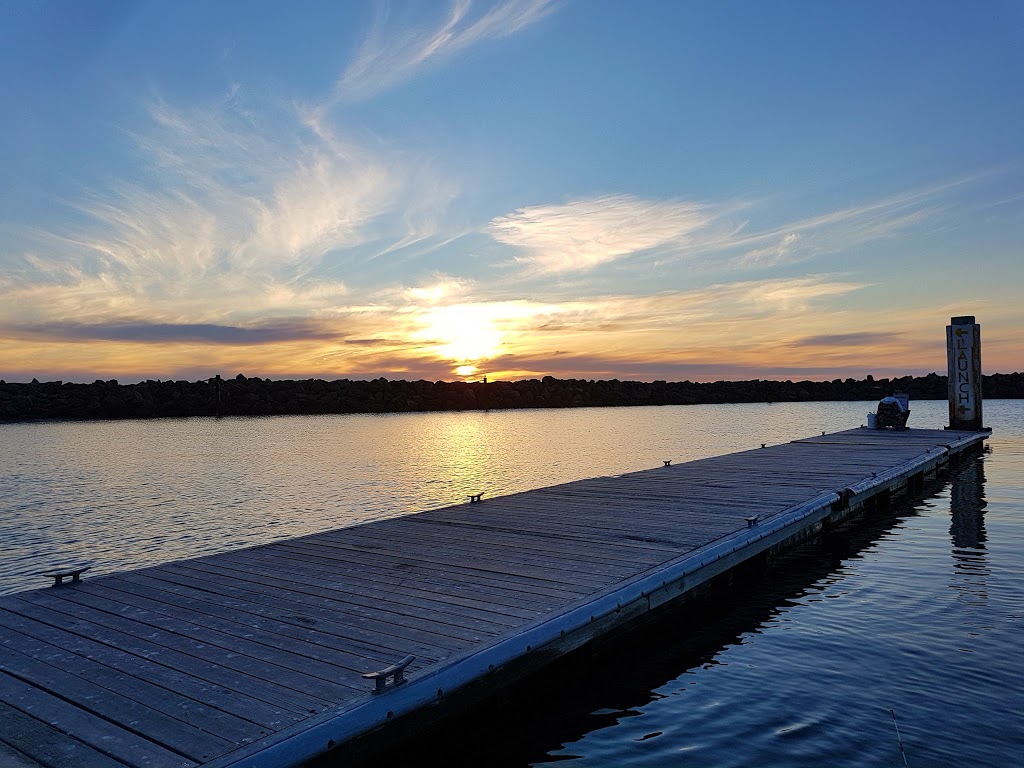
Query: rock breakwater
column 251, row 396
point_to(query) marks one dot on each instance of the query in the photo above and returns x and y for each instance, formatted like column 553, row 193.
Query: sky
column 512, row 189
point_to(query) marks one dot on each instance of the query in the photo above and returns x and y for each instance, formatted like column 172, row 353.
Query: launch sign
column 963, row 350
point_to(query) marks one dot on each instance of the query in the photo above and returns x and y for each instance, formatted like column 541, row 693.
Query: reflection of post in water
column 967, row 530
column 967, row 504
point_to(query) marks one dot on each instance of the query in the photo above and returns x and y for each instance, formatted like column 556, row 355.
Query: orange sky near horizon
column 776, row 338
column 507, row 188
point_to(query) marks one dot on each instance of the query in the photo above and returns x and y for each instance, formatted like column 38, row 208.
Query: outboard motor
column 893, row 411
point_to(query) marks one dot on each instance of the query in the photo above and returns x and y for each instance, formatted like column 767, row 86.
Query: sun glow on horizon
column 463, row 333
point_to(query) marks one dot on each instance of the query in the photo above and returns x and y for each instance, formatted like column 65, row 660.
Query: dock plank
column 297, row 638
column 132, row 715
column 236, row 653
column 236, row 680
column 206, row 722
column 407, row 567
column 301, row 613
column 575, row 555
column 262, row 717
column 447, row 545
column 36, row 744
column 338, row 666
column 467, row 563
column 326, row 570
column 83, row 726
column 434, row 610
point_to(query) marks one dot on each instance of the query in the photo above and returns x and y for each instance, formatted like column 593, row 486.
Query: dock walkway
column 257, row 657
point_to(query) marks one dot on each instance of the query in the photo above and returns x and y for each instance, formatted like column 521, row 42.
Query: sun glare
column 466, row 370
column 464, row 334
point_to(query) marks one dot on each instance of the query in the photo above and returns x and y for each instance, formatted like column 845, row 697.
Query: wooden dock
column 258, row 657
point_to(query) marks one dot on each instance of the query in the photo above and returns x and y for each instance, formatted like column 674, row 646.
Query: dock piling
column 963, row 354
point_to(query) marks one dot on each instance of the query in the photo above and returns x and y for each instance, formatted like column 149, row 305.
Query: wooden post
column 963, row 353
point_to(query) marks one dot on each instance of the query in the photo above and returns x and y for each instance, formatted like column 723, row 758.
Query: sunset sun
column 464, row 334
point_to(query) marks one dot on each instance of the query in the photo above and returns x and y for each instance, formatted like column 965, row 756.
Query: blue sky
column 452, row 189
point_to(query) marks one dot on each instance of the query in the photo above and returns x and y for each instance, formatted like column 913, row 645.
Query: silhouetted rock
column 244, row 396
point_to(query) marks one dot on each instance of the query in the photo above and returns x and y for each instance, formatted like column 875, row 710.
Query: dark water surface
column 919, row 610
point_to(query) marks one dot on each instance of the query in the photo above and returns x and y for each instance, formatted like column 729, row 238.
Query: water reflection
column 967, row 532
column 967, row 505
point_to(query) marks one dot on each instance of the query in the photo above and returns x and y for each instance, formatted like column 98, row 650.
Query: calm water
column 920, row 610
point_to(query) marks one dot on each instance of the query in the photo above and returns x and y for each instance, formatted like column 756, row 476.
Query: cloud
column 390, row 56
column 868, row 339
column 370, row 342
column 590, row 232
column 775, row 299
column 249, row 207
column 162, row 333
column 233, row 207
column 442, row 289
column 245, row 297
column 841, row 229
column 773, row 254
column 267, row 193
column 664, row 326
column 790, row 295
column 737, row 330
column 227, row 220
column 585, row 233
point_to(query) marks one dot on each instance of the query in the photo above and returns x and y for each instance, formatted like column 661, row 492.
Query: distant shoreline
column 243, row 396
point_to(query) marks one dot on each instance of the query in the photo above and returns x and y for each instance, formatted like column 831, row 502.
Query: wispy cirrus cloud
column 772, row 301
column 391, row 53
column 228, row 219
column 834, row 231
column 237, row 209
column 269, row 193
column 582, row 234
column 773, row 254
